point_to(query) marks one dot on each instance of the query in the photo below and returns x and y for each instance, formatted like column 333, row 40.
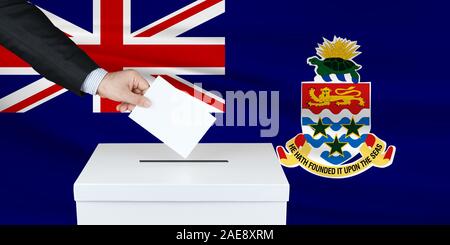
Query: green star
column 352, row 128
column 336, row 146
column 319, row 128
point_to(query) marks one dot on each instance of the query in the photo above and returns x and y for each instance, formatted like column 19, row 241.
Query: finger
column 127, row 107
column 136, row 99
column 120, row 107
column 137, row 91
column 140, row 82
column 123, row 107
column 130, row 107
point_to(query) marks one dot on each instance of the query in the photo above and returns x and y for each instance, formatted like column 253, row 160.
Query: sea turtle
column 336, row 66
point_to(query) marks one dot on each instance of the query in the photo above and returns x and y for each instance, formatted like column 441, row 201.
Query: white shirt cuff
column 92, row 81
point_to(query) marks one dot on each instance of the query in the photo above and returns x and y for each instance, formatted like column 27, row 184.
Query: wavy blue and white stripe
column 337, row 78
column 320, row 151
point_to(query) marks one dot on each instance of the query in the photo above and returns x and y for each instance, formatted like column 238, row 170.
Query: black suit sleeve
column 27, row 32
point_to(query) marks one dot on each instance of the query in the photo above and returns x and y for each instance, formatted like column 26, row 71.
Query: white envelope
column 175, row 118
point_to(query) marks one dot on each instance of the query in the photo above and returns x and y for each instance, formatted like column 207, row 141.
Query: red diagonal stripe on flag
column 33, row 99
column 178, row 18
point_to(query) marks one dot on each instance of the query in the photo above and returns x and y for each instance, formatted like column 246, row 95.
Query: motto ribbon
column 373, row 153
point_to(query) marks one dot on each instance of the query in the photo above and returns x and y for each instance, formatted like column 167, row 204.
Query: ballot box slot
column 202, row 161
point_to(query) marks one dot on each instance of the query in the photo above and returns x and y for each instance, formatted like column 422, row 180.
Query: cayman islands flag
column 335, row 117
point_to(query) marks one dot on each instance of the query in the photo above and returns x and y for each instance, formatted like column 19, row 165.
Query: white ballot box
column 151, row 184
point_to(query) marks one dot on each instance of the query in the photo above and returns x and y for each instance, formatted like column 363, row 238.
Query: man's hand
column 126, row 87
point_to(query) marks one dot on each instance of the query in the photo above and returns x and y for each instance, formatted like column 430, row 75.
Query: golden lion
column 342, row 97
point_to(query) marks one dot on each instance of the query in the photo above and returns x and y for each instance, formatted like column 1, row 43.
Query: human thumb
column 136, row 99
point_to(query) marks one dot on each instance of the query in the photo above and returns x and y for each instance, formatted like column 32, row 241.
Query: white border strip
column 180, row 70
column 17, row 71
column 96, row 100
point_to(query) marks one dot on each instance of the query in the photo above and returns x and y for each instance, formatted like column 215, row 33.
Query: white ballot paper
column 174, row 117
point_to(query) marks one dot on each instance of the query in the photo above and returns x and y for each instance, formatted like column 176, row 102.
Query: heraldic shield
column 335, row 119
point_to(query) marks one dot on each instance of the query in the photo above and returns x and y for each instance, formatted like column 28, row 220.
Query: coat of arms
column 335, row 116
